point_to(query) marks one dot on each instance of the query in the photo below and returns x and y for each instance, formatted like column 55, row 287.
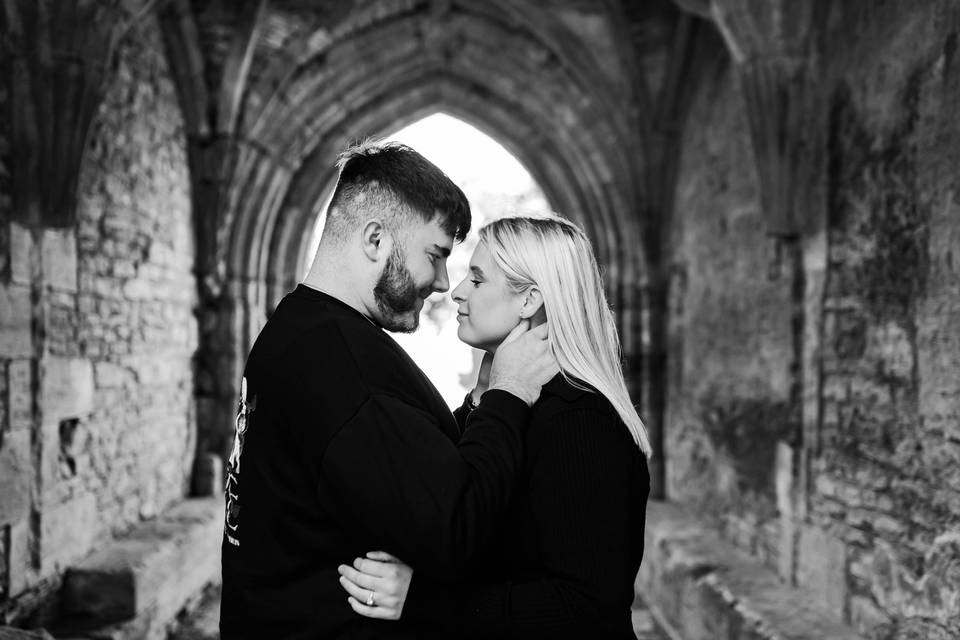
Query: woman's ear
column 539, row 318
column 532, row 307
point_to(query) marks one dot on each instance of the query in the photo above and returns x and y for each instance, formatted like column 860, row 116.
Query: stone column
column 210, row 47
column 775, row 48
column 660, row 117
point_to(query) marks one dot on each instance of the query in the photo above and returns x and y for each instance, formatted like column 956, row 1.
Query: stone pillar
column 210, row 48
column 18, row 373
column 660, row 117
column 774, row 46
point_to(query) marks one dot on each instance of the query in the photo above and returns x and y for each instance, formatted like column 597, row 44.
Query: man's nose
column 442, row 283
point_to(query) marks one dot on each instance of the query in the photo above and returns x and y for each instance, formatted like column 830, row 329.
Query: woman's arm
column 377, row 584
column 587, row 490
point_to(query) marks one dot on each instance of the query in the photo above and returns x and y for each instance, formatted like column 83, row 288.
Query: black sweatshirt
column 347, row 448
column 565, row 562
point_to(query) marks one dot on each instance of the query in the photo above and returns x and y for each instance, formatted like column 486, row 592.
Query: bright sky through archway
column 496, row 184
column 466, row 154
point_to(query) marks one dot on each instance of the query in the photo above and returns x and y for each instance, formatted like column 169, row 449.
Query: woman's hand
column 377, row 584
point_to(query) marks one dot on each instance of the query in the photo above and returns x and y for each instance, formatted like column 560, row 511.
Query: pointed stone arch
column 574, row 190
column 320, row 77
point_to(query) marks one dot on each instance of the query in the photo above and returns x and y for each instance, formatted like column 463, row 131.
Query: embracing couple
column 360, row 506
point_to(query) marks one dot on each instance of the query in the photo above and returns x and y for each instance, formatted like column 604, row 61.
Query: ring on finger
column 370, row 602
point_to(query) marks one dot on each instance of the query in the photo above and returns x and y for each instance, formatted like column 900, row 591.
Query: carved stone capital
column 774, row 45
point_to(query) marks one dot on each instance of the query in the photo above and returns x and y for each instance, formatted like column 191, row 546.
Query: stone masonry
column 730, row 332
column 887, row 470
column 96, row 338
column 828, row 447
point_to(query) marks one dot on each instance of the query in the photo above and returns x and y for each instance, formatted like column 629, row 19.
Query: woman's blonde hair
column 555, row 256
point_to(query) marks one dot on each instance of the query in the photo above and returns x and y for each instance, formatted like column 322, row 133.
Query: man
column 327, row 397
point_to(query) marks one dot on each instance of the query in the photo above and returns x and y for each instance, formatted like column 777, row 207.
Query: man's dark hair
column 390, row 178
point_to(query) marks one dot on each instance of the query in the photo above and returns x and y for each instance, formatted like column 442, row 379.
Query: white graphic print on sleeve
column 245, row 408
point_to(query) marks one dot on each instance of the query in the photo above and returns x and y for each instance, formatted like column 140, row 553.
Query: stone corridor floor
column 202, row 623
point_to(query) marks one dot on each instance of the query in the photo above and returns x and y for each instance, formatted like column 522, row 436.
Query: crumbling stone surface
column 887, row 480
column 133, row 587
column 878, row 541
column 97, row 428
column 730, row 351
column 134, row 322
column 702, row 588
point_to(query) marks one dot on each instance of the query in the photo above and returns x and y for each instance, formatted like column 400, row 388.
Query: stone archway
column 310, row 90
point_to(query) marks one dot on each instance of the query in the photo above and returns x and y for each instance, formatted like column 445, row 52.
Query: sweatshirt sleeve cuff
column 505, row 406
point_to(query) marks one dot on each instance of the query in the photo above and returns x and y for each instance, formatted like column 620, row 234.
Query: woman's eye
column 476, row 283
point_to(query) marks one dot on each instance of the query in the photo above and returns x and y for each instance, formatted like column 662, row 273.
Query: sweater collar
column 558, row 386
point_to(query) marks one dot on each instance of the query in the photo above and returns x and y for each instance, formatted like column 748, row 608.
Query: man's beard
column 397, row 295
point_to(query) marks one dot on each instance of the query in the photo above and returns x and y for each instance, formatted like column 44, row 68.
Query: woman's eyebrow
column 477, row 271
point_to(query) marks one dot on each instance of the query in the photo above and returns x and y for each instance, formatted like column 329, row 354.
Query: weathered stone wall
column 136, row 290
column 730, row 327
column 6, row 339
column 97, row 336
column 886, row 470
column 871, row 495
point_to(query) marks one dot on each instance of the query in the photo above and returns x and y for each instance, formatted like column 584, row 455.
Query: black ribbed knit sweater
column 567, row 556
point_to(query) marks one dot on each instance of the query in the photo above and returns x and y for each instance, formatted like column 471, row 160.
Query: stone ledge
column 10, row 633
column 699, row 587
column 135, row 586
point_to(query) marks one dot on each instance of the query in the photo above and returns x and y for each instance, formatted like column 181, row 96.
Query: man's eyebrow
column 477, row 271
column 445, row 252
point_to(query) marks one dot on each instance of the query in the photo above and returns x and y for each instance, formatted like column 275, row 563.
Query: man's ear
column 372, row 238
column 533, row 305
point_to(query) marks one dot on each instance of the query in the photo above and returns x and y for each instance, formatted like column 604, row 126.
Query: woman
column 570, row 546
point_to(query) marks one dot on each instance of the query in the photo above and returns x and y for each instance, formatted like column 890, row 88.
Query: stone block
column 866, row 616
column 20, row 560
column 20, row 394
column 783, row 479
column 699, row 587
column 21, row 244
column 144, row 578
column 208, row 476
column 66, row 388
column 59, row 254
column 4, row 400
column 67, row 532
column 822, row 567
column 138, row 289
column 16, row 311
column 16, row 472
column 9, row 633
column 109, row 375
